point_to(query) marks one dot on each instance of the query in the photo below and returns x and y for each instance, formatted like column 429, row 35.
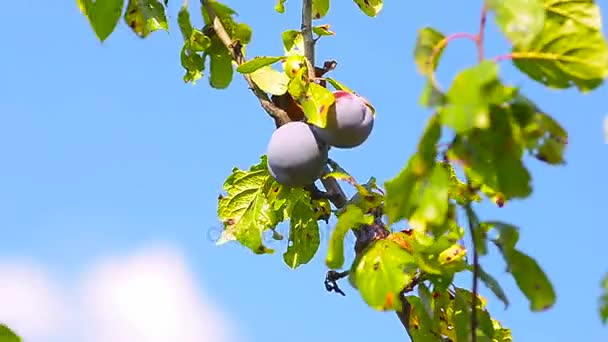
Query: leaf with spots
column 319, row 8
column 145, row 17
column 245, row 210
column 570, row 50
column 102, row 15
column 316, row 104
column 304, row 238
column 421, row 323
column 519, row 20
column 351, row 218
column 371, row 8
column 323, row 30
column 382, row 272
column 8, row 335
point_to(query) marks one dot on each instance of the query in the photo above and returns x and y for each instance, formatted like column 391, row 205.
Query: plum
column 349, row 121
column 295, row 154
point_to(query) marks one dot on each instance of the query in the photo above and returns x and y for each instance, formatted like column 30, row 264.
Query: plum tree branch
column 279, row 115
column 337, row 196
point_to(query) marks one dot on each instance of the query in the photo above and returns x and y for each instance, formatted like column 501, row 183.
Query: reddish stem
column 482, row 29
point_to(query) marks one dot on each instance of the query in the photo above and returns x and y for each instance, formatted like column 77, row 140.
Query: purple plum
column 295, row 154
column 349, row 121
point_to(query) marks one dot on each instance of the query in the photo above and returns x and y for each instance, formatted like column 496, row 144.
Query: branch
column 235, row 48
column 338, row 198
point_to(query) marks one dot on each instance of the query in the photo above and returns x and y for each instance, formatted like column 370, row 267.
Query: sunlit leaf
column 184, row 22
column 316, row 103
column 246, row 211
column 322, row 30
column 569, row 51
column 257, row 63
column 293, row 42
column 383, row 271
column 280, row 6
column 519, row 20
column 103, row 15
column 270, row 80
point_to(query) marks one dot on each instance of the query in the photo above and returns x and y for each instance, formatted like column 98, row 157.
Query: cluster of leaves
column 490, row 126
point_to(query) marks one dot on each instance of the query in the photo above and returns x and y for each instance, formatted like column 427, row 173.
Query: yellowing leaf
column 319, row 8
column 270, row 80
column 304, row 238
column 316, row 103
column 351, row 218
column 370, row 7
column 145, row 17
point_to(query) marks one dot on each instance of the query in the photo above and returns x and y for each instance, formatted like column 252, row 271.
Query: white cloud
column 30, row 301
column 148, row 295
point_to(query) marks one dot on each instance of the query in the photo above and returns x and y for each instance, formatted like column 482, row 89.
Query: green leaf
column 604, row 300
column 304, row 236
column 270, row 80
column 220, row 68
column 494, row 286
column 403, row 191
column 280, row 6
column 246, row 211
column 493, row 157
column 103, row 15
column 257, row 63
column 422, row 322
column 542, row 136
column 569, row 51
column 322, row 30
column 519, row 20
column 531, row 279
column 428, row 38
column 7, row 335
column 351, row 218
column 319, row 8
column 468, row 99
column 316, row 103
column 508, row 234
column 198, row 41
column 293, row 42
column 457, row 189
column 242, row 33
column 337, row 85
column 184, row 22
column 145, row 17
column 370, row 7
column 383, row 271
column 193, row 63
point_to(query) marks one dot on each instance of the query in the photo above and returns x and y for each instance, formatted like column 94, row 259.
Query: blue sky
column 104, row 150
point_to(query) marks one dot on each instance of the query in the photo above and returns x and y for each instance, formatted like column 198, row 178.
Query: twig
column 472, row 225
column 331, row 281
column 482, row 28
column 439, row 47
column 280, row 116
